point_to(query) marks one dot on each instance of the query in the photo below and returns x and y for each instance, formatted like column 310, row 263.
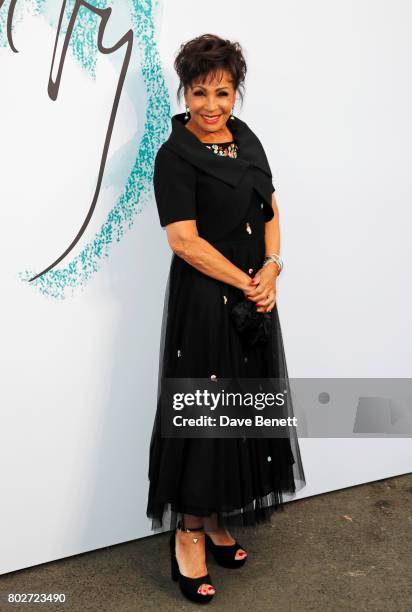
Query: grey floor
column 345, row 550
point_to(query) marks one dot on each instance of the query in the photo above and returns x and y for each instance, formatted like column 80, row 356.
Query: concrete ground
column 348, row 550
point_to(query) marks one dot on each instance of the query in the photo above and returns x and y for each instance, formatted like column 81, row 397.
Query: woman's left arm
column 265, row 279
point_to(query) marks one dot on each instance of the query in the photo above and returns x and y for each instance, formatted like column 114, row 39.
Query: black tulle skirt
column 242, row 480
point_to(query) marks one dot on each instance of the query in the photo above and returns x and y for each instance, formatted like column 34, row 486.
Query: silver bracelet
column 276, row 259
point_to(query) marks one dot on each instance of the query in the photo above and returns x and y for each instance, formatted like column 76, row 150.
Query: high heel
column 225, row 555
column 188, row 586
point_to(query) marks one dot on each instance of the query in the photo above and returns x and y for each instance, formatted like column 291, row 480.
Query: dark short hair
column 207, row 55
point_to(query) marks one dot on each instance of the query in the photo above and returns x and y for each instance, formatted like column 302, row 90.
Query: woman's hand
column 264, row 292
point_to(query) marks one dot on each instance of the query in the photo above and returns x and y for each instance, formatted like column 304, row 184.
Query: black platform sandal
column 224, row 554
column 188, row 586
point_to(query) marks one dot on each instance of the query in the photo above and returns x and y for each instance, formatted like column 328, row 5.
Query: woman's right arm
column 185, row 241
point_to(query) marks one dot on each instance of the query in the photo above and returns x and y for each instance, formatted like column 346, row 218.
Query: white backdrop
column 329, row 93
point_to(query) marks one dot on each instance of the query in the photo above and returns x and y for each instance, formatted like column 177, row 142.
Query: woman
column 214, row 196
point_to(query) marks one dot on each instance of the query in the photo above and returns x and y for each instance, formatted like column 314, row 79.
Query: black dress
column 242, row 480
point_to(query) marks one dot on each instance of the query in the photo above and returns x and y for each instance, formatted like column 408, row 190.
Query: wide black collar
column 231, row 170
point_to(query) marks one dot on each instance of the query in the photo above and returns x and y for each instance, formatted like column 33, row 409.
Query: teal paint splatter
column 83, row 40
column 29, row 7
column 138, row 190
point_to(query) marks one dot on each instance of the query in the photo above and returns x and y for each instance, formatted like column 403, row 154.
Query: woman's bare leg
column 191, row 555
column 191, row 521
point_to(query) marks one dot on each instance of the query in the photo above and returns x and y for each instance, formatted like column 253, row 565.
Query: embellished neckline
column 224, row 149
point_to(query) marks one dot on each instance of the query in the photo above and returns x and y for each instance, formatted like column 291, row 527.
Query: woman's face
column 210, row 102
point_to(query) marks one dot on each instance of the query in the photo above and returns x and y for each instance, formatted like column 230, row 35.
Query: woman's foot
column 221, row 537
column 191, row 557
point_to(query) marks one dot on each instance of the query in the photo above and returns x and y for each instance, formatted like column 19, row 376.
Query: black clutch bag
column 254, row 327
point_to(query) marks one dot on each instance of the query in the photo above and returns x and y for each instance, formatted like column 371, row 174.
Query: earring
column 231, row 116
column 187, row 110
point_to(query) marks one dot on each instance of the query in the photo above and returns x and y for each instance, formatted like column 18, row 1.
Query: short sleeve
column 174, row 181
column 273, row 189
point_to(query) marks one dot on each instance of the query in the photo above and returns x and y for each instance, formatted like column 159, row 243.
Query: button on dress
column 241, row 479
